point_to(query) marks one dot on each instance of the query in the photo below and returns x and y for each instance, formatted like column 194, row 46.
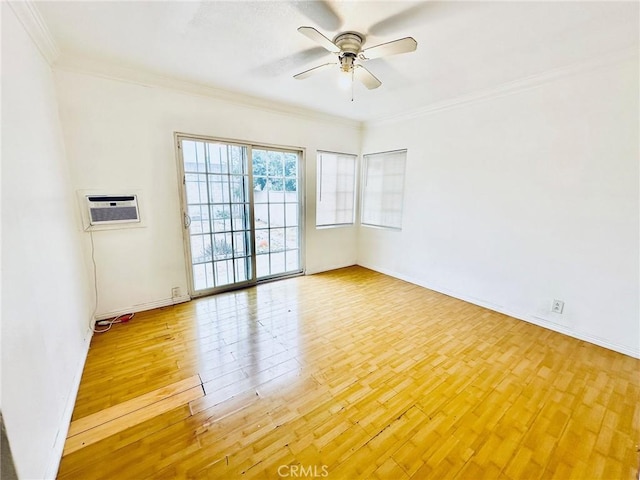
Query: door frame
column 184, row 226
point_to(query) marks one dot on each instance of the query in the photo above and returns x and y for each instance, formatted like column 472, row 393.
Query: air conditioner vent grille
column 112, row 209
column 116, row 214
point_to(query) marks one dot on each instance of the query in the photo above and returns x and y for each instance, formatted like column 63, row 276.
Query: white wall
column 517, row 200
column 121, row 135
column 45, row 296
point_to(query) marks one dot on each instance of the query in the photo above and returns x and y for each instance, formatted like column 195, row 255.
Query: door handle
column 187, row 220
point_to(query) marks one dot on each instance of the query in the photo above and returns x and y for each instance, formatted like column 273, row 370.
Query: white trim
column 141, row 307
column 328, row 268
column 33, row 23
column 101, row 69
column 58, row 445
column 516, row 86
column 517, row 315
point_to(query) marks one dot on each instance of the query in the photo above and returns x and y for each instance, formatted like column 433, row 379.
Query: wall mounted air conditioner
column 112, row 209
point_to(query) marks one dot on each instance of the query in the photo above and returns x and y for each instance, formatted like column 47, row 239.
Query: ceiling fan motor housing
column 350, row 44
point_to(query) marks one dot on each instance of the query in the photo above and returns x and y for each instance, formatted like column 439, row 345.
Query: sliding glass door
column 242, row 212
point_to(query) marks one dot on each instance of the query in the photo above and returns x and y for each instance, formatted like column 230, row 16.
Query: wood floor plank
column 99, row 452
column 111, row 413
column 131, row 419
column 360, row 373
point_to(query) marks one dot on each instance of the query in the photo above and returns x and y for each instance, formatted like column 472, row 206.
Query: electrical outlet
column 557, row 306
column 175, row 292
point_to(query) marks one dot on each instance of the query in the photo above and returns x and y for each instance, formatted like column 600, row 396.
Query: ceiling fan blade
column 311, row 71
column 403, row 45
column 320, row 12
column 366, row 77
column 417, row 14
column 281, row 65
column 319, row 38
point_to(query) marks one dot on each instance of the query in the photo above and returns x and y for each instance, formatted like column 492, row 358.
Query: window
column 383, row 189
column 336, row 190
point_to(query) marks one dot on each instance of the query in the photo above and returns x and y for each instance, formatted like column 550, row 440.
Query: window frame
column 319, row 189
column 401, row 191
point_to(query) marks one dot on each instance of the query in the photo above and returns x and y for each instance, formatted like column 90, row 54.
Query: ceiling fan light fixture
column 347, row 62
column 345, row 79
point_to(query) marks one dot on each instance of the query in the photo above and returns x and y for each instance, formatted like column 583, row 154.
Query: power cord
column 102, row 323
column 108, row 323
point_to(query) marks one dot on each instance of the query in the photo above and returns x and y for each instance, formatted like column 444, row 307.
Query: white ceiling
column 252, row 47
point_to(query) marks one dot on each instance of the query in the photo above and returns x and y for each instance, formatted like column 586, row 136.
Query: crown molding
column 509, row 88
column 112, row 71
column 30, row 18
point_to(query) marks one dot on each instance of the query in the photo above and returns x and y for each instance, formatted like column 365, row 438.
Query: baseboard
column 328, row 268
column 601, row 342
column 65, row 421
column 141, row 307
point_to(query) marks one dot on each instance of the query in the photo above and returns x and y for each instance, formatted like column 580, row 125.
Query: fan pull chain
column 352, row 69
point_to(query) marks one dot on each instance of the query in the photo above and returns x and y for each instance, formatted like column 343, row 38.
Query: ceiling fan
column 347, row 46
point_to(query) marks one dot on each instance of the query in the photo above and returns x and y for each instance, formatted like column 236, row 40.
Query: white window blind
column 383, row 189
column 335, row 202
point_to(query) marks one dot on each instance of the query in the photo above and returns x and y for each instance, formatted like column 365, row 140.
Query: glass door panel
column 217, row 197
column 277, row 212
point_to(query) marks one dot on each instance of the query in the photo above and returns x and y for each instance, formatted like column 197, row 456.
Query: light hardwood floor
column 349, row 374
